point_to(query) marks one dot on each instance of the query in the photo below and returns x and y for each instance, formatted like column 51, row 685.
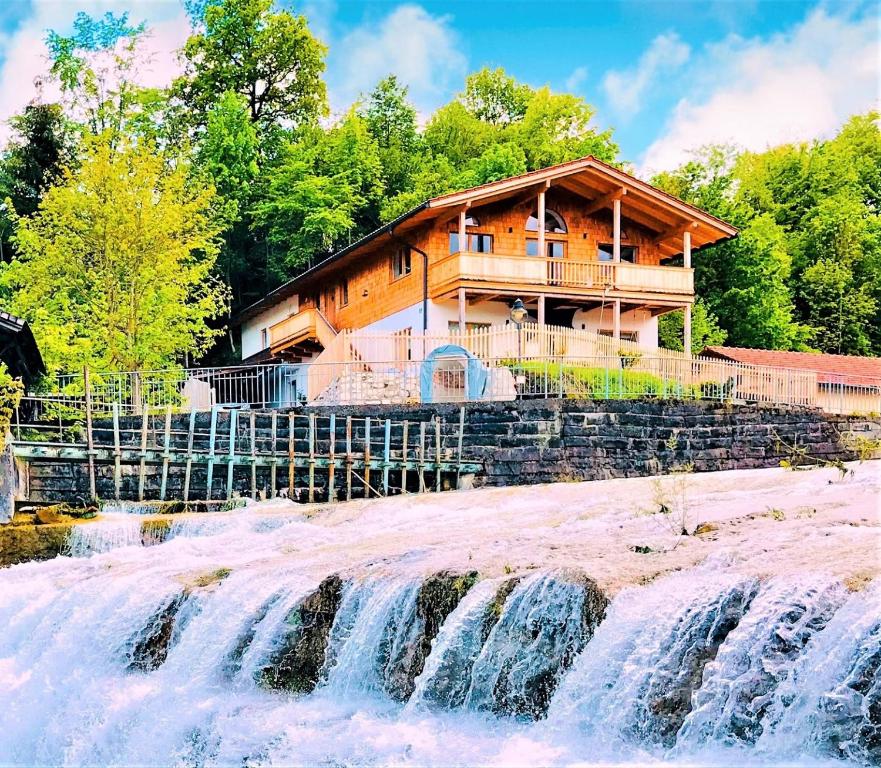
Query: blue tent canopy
column 475, row 372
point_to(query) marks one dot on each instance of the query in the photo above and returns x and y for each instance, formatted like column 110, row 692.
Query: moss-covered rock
column 154, row 530
column 22, row 543
column 296, row 665
column 439, row 594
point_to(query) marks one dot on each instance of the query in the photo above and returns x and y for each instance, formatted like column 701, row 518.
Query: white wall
column 251, row 329
column 443, row 313
column 411, row 317
column 638, row 320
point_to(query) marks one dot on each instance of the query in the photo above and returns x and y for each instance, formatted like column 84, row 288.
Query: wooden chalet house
column 582, row 244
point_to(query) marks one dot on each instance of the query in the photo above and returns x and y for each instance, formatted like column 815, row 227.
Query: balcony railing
column 308, row 323
column 559, row 273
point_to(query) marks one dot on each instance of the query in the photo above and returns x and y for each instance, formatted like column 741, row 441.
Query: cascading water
column 260, row 644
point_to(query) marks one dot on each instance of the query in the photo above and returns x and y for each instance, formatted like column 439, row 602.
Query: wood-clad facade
column 582, row 244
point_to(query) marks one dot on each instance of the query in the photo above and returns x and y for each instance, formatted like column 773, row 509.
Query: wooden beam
column 604, row 201
column 678, row 231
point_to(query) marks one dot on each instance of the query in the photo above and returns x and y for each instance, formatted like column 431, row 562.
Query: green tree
column 114, row 268
column 494, row 97
column 267, row 56
column 705, row 330
column 391, row 121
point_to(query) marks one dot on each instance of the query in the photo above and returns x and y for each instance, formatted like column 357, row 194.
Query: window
column 401, row 263
column 453, row 326
column 264, row 339
column 628, row 252
column 476, row 243
column 344, row 293
column 553, row 248
column 553, row 223
column 625, row 335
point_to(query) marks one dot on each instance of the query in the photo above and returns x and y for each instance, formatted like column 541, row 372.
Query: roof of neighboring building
column 587, row 176
column 830, row 369
column 18, row 348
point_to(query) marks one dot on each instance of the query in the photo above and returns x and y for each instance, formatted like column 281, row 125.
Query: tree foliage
column 114, row 270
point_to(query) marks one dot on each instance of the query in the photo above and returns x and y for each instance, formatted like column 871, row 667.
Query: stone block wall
column 518, row 443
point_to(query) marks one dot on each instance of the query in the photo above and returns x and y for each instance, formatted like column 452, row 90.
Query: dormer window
column 554, row 223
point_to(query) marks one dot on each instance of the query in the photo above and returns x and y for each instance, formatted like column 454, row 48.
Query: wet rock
column 151, row 645
column 24, row 543
column 154, row 531
column 296, row 665
column 438, row 596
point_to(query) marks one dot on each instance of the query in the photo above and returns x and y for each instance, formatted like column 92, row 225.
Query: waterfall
column 246, row 645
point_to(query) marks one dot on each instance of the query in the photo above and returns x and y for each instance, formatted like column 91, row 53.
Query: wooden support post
column 541, row 309
column 616, row 230
column 189, row 466
column 542, row 251
column 686, row 329
column 404, row 436
column 90, row 437
column 386, row 456
column 273, row 468
column 311, row 458
column 686, row 249
column 231, row 461
column 616, row 320
column 462, row 325
column 463, row 231
column 212, row 437
column 331, row 455
column 117, row 454
column 437, row 453
column 348, row 458
column 366, row 457
column 166, row 454
column 422, row 487
column 142, row 473
column 253, row 455
column 292, row 454
column 459, row 444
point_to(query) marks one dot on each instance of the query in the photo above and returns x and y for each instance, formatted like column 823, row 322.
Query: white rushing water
column 129, row 654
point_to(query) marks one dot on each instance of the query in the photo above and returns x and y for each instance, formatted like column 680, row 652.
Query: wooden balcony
column 307, row 327
column 563, row 277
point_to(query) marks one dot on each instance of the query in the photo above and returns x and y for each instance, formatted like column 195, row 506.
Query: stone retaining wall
column 524, row 442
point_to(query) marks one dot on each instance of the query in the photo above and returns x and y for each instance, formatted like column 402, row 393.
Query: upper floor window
column 344, row 293
column 553, row 223
column 264, row 338
column 605, row 252
column 477, row 243
column 401, row 263
column 553, row 248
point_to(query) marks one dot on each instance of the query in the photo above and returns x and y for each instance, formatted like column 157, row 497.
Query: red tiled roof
column 848, row 369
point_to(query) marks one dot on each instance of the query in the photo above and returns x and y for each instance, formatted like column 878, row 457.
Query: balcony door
column 554, row 249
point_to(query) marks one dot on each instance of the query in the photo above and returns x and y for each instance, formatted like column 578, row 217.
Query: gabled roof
column 18, row 348
column 830, row 369
column 592, row 179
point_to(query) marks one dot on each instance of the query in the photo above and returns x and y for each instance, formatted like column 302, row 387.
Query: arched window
column 470, row 221
column 553, row 223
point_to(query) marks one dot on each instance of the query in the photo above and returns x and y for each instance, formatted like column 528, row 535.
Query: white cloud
column 625, row 88
column 756, row 93
column 25, row 65
column 576, row 79
column 421, row 49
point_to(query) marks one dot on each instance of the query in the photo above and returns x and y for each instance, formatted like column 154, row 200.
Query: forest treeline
column 136, row 222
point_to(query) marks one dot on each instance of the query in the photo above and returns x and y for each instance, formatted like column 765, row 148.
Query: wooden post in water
column 348, row 458
column 273, row 468
column 311, row 458
column 406, row 429
column 117, row 455
column 459, row 445
column 386, row 456
column 331, row 455
column 189, row 465
column 437, row 453
column 231, row 463
column 142, row 472
column 291, row 455
column 422, row 487
column 212, row 437
column 253, row 456
column 90, row 438
column 367, row 457
column 166, row 454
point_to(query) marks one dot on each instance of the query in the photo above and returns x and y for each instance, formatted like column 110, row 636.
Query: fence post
column 212, row 436
column 189, row 466
column 366, row 457
column 273, row 467
column 117, row 453
column 311, row 458
column 233, row 419
column 253, row 456
column 166, row 453
column 142, row 471
column 292, row 454
column 406, row 428
column 331, row 454
column 386, row 456
column 90, row 443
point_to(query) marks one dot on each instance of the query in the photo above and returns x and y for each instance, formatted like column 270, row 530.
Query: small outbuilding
column 19, row 350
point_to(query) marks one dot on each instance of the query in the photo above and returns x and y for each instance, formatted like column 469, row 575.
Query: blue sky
column 667, row 75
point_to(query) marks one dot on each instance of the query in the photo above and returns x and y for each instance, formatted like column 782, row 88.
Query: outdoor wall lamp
column 518, row 312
